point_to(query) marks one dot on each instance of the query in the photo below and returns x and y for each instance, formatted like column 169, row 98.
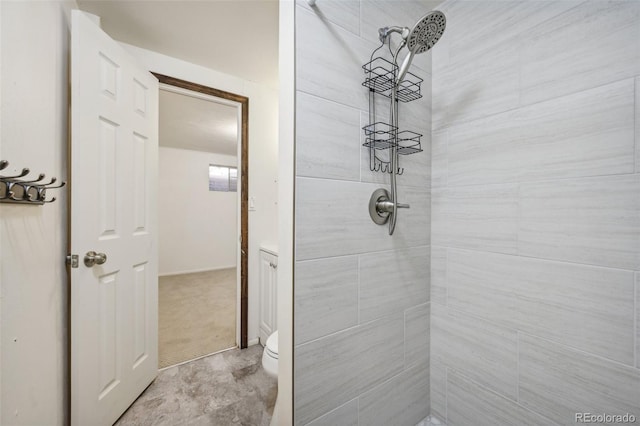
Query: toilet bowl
column 270, row 365
column 270, row 355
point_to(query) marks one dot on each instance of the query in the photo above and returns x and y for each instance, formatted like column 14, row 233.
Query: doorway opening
column 203, row 221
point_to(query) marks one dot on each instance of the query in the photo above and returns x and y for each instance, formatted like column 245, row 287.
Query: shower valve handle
column 386, row 206
column 381, row 206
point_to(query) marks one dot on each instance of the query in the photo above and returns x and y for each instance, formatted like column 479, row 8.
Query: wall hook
column 54, row 187
column 40, row 177
column 32, row 191
column 52, row 181
column 23, row 173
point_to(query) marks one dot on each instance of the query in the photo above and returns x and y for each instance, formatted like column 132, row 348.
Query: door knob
column 93, row 258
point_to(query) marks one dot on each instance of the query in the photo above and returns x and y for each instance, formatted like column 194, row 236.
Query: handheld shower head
column 424, row 35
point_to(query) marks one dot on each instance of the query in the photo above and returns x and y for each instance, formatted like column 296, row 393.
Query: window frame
column 229, row 186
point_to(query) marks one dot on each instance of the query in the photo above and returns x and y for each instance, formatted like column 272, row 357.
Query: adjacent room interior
column 198, row 225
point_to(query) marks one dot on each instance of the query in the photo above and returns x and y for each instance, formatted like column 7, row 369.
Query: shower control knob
column 381, row 206
column 93, row 258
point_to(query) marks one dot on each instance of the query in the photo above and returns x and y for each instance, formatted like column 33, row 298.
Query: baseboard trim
column 254, row 341
column 194, row 271
column 197, row 358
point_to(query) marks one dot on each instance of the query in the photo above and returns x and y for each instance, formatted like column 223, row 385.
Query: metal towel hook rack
column 14, row 189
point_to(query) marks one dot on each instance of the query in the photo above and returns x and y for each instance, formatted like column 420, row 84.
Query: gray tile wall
column 361, row 321
column 535, row 294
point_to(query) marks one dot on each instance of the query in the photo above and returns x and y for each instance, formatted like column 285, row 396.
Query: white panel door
column 114, row 149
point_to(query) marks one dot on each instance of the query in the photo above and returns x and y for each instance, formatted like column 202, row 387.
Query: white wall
column 35, row 44
column 286, row 173
column 263, row 153
column 198, row 228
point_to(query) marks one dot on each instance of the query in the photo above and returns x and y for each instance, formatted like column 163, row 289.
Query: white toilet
column 270, row 365
column 270, row 355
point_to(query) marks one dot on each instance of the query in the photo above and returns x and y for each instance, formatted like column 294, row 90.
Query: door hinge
column 72, row 260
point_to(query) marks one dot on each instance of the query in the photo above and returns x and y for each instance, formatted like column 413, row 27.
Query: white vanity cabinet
column 268, row 293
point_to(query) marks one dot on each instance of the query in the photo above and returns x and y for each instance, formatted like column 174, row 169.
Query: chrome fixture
column 381, row 206
column 386, row 78
column 93, row 258
column 14, row 189
column 424, row 35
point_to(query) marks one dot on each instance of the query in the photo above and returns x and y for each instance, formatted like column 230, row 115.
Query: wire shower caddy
column 381, row 77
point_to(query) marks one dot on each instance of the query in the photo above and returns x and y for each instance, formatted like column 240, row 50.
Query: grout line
column 418, row 188
column 329, row 258
column 636, row 124
column 484, row 117
column 404, row 340
column 356, row 399
column 518, row 366
column 519, row 47
column 351, row 328
column 446, row 276
column 364, row 253
column 519, row 200
column 361, row 147
column 332, row 101
column 511, row 39
column 456, row 311
column 530, row 182
column 501, row 396
column 579, row 351
column 325, row 20
column 542, row 259
column 359, row 283
column 446, row 394
column 446, row 156
column 519, row 332
column 636, row 320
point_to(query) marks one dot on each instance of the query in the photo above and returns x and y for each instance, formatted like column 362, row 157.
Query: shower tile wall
column 535, row 225
column 362, row 308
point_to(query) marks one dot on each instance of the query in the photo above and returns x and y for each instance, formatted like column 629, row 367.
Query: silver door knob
column 93, row 258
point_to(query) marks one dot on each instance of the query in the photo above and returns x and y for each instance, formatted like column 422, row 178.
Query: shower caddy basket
column 380, row 78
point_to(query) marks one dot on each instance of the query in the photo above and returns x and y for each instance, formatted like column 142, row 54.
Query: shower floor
column 430, row 421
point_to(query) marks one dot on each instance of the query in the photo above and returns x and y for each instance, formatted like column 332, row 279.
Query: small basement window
column 223, row 178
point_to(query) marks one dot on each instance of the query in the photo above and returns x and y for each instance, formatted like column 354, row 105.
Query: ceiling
column 237, row 37
column 187, row 122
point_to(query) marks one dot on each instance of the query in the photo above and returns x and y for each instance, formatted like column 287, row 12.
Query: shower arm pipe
column 385, row 32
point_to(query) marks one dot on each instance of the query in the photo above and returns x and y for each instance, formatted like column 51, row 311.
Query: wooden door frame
column 244, row 189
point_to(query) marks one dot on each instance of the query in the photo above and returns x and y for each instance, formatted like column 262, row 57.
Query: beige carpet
column 197, row 315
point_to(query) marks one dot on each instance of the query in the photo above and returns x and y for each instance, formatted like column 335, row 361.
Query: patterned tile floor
column 228, row 388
